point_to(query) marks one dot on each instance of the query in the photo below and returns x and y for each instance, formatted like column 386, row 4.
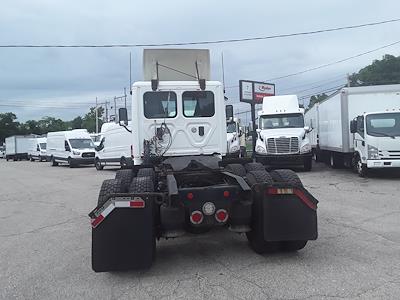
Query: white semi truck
column 358, row 127
column 282, row 137
column 180, row 182
column 233, row 137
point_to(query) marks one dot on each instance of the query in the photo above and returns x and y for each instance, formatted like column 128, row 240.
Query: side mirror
column 229, row 112
column 258, row 130
column 353, row 126
column 123, row 115
column 307, row 129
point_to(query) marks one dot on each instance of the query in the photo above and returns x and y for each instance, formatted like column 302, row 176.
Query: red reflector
column 226, row 194
column 137, row 203
column 290, row 191
column 221, row 215
column 196, row 217
column 190, row 196
column 97, row 221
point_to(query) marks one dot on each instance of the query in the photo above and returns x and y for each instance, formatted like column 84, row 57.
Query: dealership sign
column 254, row 91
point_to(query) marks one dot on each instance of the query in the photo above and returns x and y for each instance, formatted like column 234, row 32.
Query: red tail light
column 221, row 215
column 137, row 203
column 196, row 217
column 190, row 196
column 226, row 194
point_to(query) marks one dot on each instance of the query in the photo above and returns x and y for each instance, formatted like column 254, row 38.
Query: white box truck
column 179, row 182
column 358, row 127
column 37, row 149
column 282, row 137
column 17, row 147
column 115, row 146
column 73, row 147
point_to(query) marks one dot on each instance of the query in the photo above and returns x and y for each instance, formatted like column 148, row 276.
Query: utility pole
column 97, row 118
column 106, row 103
column 115, row 108
column 125, row 96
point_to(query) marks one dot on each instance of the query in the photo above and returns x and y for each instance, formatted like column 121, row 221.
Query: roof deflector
column 176, row 65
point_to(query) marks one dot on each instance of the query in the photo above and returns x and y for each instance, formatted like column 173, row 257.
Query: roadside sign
column 254, row 91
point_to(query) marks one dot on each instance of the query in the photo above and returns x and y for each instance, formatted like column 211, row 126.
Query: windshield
column 231, row 127
column 383, row 124
column 159, row 105
column 281, row 121
column 81, row 143
column 43, row 146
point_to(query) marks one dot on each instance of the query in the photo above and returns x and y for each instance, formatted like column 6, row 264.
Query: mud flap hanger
column 155, row 82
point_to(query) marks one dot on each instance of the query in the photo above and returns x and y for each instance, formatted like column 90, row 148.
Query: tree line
column 380, row 72
column 10, row 126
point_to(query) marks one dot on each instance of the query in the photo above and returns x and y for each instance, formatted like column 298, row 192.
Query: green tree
column 89, row 120
column 8, row 125
column 316, row 99
column 77, row 123
column 49, row 124
column 380, row 72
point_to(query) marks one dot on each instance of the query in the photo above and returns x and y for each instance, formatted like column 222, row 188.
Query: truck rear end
column 141, row 206
column 180, row 182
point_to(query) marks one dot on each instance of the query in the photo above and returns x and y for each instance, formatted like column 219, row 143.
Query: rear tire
column 254, row 177
column 293, row 245
column 70, row 163
column 286, row 176
column 146, row 172
column 236, row 169
column 141, row 185
column 126, row 238
column 31, row 158
column 256, row 235
column 126, row 177
column 109, row 186
column 254, row 166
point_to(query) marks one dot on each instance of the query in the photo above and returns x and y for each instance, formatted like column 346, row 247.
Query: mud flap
column 290, row 213
column 125, row 238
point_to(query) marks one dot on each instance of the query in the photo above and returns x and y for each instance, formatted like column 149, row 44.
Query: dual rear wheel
column 256, row 173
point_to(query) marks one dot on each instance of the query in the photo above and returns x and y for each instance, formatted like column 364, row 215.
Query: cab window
column 159, row 105
column 197, row 104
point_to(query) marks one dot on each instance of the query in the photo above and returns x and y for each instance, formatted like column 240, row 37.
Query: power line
column 203, row 42
column 335, row 62
column 331, row 79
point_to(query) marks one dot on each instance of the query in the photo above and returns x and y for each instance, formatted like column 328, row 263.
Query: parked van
column 37, row 149
column 115, row 146
column 2, row 151
column 73, row 147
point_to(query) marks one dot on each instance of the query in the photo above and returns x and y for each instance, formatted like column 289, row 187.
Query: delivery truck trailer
column 17, row 147
column 358, row 127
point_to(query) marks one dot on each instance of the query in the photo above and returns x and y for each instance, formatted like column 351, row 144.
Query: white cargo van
column 358, row 127
column 115, row 146
column 37, row 150
column 73, row 147
column 282, row 137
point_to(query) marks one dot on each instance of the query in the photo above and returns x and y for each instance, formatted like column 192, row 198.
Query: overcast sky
column 72, row 78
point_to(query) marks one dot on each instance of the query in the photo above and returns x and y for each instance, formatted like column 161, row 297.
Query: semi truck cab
column 376, row 141
column 282, row 137
column 233, row 134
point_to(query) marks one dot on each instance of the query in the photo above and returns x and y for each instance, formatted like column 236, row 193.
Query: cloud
column 59, row 75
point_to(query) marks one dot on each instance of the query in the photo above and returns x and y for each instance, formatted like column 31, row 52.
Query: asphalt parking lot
column 45, row 239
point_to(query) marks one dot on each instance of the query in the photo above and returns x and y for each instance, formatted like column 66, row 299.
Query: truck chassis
column 186, row 195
